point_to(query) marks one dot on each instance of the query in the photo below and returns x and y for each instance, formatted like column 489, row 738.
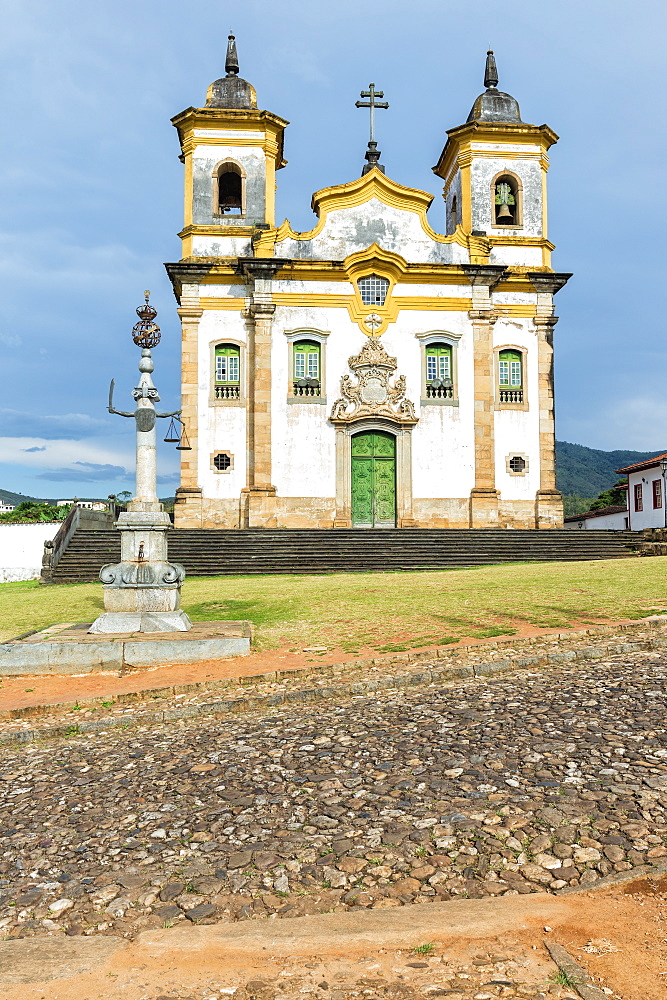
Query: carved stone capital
column 484, row 274
column 548, row 322
column 482, row 316
column 190, row 313
column 263, row 310
column 262, row 268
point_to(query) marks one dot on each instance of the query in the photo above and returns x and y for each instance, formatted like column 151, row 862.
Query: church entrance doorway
column 374, row 480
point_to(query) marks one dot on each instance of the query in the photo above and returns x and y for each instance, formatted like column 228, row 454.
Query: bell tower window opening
column 373, row 290
column 506, row 201
column 229, row 189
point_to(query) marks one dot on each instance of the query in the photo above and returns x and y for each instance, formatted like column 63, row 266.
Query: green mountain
column 6, row 496
column 587, row 472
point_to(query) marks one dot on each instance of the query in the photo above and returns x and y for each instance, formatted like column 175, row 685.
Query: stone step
column 233, row 552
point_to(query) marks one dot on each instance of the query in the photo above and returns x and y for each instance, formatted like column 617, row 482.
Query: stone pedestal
column 483, row 508
column 258, row 507
column 142, row 593
column 548, row 509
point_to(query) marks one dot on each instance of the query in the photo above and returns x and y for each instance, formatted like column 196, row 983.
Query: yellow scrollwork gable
column 374, row 184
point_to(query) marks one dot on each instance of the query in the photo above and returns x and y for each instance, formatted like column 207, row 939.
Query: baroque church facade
column 372, row 372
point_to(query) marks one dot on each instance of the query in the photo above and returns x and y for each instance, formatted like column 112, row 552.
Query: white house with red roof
column 614, row 518
column 646, row 493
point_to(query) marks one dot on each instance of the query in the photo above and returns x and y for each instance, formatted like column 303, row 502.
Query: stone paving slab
column 39, row 959
column 74, row 651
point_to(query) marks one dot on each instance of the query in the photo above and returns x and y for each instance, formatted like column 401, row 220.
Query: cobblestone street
column 534, row 781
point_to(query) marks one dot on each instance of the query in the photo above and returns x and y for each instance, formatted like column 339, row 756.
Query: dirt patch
column 464, row 949
column 20, row 693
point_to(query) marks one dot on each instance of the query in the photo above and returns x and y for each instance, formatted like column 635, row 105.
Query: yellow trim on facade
column 213, row 302
column 391, row 311
column 224, row 229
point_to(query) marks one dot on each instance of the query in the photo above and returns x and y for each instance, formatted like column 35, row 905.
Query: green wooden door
column 374, row 480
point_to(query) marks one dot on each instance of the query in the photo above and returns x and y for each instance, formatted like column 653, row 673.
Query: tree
column 615, row 497
column 30, row 510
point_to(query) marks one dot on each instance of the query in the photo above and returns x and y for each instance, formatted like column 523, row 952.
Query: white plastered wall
column 222, row 427
column 523, row 165
column 649, row 517
column 349, row 230
column 517, row 432
column 22, row 548
column 303, row 439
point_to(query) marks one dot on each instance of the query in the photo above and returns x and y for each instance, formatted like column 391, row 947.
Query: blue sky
column 91, row 188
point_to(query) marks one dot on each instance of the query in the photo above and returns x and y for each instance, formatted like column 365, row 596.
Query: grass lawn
column 385, row 611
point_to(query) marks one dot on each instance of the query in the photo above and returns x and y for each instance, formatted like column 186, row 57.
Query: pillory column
column 142, row 592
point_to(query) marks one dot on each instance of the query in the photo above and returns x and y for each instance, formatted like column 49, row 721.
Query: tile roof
column 646, row 464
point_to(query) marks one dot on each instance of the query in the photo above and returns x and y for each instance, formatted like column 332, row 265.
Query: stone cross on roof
column 372, row 153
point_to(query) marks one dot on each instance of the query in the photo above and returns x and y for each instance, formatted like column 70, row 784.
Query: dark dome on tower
column 493, row 105
column 231, row 91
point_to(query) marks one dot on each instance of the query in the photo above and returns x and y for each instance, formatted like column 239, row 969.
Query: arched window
column 306, row 368
column 373, row 290
column 506, row 201
column 510, row 376
column 439, row 381
column 227, row 371
column 229, row 189
column 454, row 211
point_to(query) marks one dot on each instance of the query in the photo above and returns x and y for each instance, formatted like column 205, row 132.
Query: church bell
column 504, row 212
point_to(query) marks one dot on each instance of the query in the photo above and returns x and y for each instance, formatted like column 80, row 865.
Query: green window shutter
column 306, row 360
column 510, row 369
column 438, row 361
column 227, row 364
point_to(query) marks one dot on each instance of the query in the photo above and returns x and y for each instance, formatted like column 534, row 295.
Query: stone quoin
column 452, row 426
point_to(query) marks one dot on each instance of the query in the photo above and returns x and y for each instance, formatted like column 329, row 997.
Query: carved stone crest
column 373, row 395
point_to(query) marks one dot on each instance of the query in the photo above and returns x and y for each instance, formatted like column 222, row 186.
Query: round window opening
column 517, row 463
column 222, row 462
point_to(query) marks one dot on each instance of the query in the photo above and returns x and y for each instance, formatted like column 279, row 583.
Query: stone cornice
column 548, row 281
column 182, row 274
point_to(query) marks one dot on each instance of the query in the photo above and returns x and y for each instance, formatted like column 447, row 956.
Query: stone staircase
column 207, row 552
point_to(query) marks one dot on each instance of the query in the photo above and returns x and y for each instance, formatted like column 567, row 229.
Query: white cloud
column 61, row 453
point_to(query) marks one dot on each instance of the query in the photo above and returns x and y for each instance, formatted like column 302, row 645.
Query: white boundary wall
column 22, row 548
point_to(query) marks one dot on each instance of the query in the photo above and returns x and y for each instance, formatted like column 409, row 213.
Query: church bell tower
column 231, row 151
column 495, row 168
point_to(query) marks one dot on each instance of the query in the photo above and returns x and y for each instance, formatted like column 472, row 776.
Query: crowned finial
column 146, row 333
column 232, row 60
column 490, row 71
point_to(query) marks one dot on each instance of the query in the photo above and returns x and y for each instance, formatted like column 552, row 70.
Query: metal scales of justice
column 142, row 592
